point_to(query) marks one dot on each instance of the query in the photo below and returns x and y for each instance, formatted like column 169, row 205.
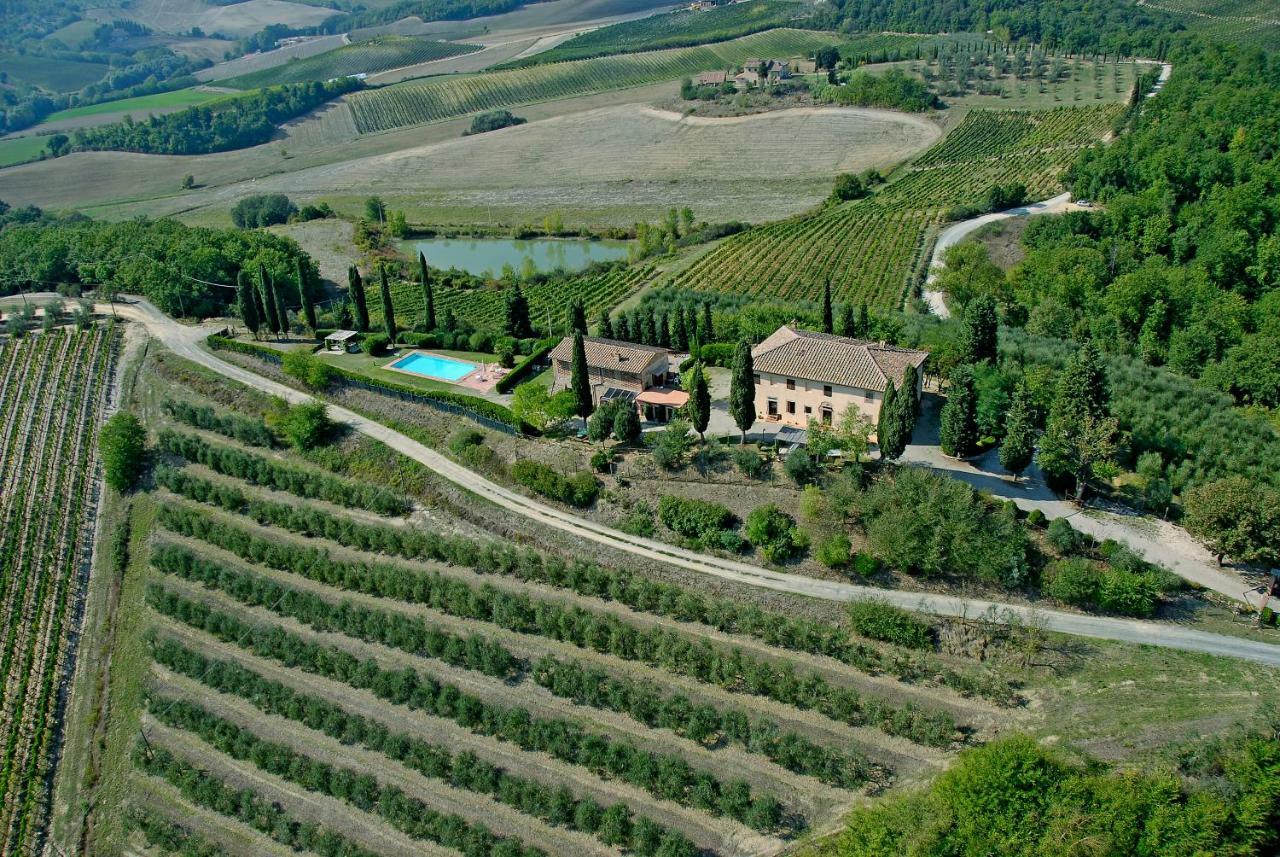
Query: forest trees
column 1237, row 518
column 1079, row 434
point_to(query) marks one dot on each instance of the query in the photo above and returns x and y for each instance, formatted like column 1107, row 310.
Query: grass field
column 674, row 29
column 414, row 103
column 141, row 105
column 19, row 150
column 54, row 397
column 233, row 19
column 368, row 57
column 872, row 248
column 54, row 75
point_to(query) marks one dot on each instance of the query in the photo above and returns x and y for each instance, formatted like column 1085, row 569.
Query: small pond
column 482, row 256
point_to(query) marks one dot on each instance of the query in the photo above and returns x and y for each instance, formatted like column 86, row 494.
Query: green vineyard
column 375, row 55
column 870, row 249
column 548, row 302
column 447, row 97
column 1245, row 22
column 681, row 28
column 55, row 391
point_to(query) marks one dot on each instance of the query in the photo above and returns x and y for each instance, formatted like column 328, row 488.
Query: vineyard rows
column 55, row 392
column 675, row 29
column 548, row 301
column 375, row 55
column 871, row 249
column 447, row 97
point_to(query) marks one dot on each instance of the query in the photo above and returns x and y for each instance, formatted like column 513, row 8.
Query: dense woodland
column 173, row 265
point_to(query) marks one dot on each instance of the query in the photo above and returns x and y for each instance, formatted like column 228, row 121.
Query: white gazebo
column 337, row 341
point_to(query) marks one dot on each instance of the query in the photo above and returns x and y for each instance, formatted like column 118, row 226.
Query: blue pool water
column 434, row 366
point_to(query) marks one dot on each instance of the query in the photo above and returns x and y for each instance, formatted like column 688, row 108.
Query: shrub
column 309, row 369
column 880, row 620
column 1063, row 537
column 865, row 565
column 626, row 424
column 1073, row 581
column 600, row 423
column 480, row 341
column 752, row 464
column 700, row 521
column 420, row 340
column 506, row 355
column 122, row 444
column 600, row 461
column 671, row 445
column 463, row 438
column 492, row 120
column 375, row 344
column 800, row 467
column 718, row 354
column 579, row 490
column 305, row 426
column 835, row 551
column 639, row 521
column 1128, row 594
column 1035, row 518
column 263, row 209
column 774, row 533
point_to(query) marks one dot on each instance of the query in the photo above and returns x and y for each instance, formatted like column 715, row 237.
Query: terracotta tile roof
column 609, row 353
column 833, row 359
column 710, row 78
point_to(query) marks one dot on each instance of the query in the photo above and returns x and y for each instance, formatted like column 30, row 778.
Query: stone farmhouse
column 802, row 375
column 644, row 374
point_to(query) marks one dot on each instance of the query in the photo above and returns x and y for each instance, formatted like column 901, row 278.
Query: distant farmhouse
column 755, row 71
column 618, row 370
column 803, row 375
column 711, row 78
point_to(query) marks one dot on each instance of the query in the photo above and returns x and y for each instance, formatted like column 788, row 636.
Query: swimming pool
column 434, row 366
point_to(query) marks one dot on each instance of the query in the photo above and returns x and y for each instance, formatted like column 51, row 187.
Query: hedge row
column 729, row 668
column 525, row 367
column 587, row 579
column 666, row 776
column 615, row 825
column 570, row 679
column 258, row 470
column 395, row 630
column 243, row 429
column 580, row 489
column 358, row 788
column 244, row 805
column 706, row 724
column 483, row 408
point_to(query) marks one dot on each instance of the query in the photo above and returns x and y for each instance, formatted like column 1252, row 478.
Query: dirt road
column 186, row 341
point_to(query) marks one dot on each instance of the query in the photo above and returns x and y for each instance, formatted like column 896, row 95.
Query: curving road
column 186, row 342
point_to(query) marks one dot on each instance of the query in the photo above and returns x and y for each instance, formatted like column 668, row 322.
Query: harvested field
column 368, row 57
column 235, row 20
column 263, row 60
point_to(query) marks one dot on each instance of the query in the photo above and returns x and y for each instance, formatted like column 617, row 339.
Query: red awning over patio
column 668, row 396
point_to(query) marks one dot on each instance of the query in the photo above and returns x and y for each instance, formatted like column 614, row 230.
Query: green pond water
column 483, row 256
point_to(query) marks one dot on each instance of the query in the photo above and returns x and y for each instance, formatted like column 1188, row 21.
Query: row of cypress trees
column 264, row 305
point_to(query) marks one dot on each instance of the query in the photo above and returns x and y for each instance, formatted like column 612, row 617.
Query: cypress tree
column 304, row 295
column 662, row 333
column 959, row 431
column 517, row 322
column 707, row 332
column 248, row 302
column 848, row 322
column 577, row 317
column 428, row 295
column 388, row 309
column 828, row 318
column 622, row 330
column 1019, row 434
column 355, row 288
column 864, row 322
column 648, row 328
column 269, row 300
column 605, row 325
column 742, row 389
column 889, row 429
column 282, row 308
column 700, row 401
column 978, row 336
column 910, row 404
column 691, row 325
column 679, row 333
column 579, row 381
